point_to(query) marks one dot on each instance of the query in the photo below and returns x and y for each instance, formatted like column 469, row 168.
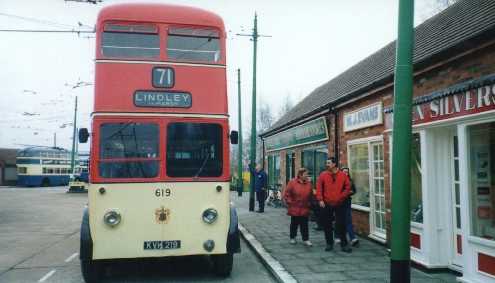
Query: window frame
column 95, row 172
column 221, row 44
column 159, row 33
column 224, row 143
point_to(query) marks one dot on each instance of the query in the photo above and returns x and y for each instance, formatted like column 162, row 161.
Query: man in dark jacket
column 332, row 189
column 260, row 186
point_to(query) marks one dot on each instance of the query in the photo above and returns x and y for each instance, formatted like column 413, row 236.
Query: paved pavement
column 367, row 263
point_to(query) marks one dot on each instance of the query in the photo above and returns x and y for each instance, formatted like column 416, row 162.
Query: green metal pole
column 400, row 270
column 73, row 140
column 253, row 115
column 240, row 185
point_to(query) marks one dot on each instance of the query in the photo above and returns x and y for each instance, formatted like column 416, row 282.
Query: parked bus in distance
column 159, row 158
column 43, row 166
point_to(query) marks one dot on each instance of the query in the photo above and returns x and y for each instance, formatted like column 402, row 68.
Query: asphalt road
column 39, row 242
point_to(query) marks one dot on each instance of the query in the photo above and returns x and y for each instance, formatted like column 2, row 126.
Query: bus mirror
column 83, row 135
column 234, row 137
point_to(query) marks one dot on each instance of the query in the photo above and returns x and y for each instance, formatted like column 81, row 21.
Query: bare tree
column 287, row 105
column 433, row 7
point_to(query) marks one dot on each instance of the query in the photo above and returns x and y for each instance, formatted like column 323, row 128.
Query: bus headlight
column 210, row 215
column 112, row 218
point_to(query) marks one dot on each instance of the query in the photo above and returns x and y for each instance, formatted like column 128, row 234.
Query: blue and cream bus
column 43, row 166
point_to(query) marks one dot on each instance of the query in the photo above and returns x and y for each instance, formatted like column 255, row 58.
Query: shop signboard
column 472, row 97
column 368, row 116
column 309, row 132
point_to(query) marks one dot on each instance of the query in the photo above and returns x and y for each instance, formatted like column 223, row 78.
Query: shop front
column 453, row 179
column 304, row 145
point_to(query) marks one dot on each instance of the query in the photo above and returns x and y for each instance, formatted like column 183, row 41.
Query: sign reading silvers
column 466, row 98
column 365, row 117
column 143, row 98
column 310, row 132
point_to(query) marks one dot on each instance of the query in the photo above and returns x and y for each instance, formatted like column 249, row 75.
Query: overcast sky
column 310, row 44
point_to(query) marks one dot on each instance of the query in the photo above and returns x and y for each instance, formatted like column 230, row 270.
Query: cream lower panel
column 138, row 204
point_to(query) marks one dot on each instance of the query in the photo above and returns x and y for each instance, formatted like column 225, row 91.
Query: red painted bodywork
column 117, row 79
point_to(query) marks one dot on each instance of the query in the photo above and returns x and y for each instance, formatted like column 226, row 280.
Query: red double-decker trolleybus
column 159, row 172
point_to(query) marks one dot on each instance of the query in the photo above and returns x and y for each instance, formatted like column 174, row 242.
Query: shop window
column 360, row 172
column 314, row 160
column 482, row 179
column 274, row 171
column 290, row 166
column 416, row 180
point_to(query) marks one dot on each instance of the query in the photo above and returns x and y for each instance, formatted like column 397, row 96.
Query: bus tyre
column 91, row 271
column 45, row 182
column 222, row 264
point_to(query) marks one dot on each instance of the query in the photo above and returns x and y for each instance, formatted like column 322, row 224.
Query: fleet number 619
column 162, row 192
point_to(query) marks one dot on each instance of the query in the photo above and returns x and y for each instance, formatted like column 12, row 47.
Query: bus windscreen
column 129, row 150
column 196, row 45
column 194, row 150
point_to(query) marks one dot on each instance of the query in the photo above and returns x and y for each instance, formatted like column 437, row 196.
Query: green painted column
column 240, row 184
column 400, row 270
column 253, row 116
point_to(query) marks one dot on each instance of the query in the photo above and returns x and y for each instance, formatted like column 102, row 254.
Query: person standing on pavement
column 297, row 196
column 348, row 226
column 332, row 189
column 260, row 186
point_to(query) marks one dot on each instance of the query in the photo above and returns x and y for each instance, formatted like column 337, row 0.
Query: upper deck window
column 129, row 150
column 193, row 44
column 130, row 41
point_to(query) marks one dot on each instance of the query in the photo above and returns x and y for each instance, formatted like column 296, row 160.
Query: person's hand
column 322, row 204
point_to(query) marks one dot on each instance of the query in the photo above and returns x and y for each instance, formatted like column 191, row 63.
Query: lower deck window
column 194, row 150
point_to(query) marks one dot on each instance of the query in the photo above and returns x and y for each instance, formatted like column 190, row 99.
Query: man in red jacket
column 332, row 189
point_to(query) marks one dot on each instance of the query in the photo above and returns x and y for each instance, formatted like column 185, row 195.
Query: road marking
column 71, row 257
column 48, row 275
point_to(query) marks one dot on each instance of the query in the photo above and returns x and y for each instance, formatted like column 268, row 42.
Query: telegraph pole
column 254, row 37
column 240, row 184
column 73, row 140
column 400, row 264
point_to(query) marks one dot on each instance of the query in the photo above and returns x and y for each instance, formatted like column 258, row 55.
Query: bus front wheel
column 222, row 264
column 45, row 182
column 91, row 271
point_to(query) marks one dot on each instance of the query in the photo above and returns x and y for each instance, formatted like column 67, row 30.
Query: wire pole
column 240, row 184
column 400, row 263
column 73, row 141
column 254, row 37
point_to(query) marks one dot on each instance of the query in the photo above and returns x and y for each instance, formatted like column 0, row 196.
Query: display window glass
column 416, row 180
column 482, row 179
column 360, row 172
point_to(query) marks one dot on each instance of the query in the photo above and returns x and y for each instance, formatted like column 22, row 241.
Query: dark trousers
column 339, row 214
column 302, row 222
column 260, row 196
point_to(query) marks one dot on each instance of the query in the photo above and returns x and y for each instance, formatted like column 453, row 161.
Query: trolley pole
column 73, row 140
column 400, row 269
column 240, row 185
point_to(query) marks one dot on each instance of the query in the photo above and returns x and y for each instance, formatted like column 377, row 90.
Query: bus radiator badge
column 162, row 215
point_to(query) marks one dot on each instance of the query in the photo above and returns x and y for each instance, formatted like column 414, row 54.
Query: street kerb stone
column 273, row 265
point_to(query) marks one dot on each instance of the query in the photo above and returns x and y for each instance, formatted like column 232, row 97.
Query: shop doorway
column 290, row 166
column 377, row 190
column 456, row 205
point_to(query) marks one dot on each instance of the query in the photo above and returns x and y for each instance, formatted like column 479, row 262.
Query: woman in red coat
column 297, row 195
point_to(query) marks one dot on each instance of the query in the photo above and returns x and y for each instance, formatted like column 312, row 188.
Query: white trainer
column 292, row 241
column 308, row 244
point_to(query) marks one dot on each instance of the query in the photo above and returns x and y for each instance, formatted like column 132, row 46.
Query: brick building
column 453, row 146
column 8, row 168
